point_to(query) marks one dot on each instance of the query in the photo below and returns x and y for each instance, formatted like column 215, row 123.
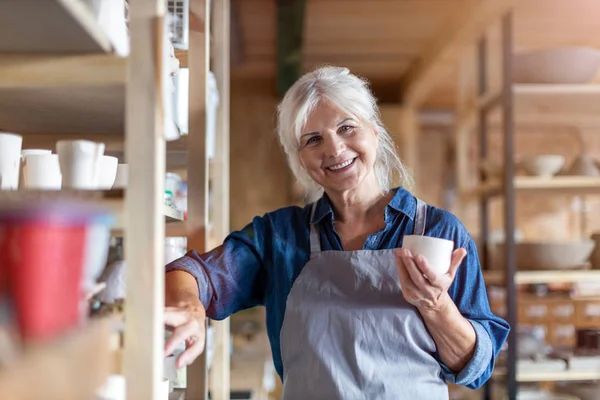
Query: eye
column 312, row 140
column 346, row 128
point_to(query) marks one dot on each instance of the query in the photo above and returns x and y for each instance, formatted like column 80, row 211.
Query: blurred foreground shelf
column 72, row 367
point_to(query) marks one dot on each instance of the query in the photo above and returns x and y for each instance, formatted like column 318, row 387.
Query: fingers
column 405, row 280
column 415, row 272
column 458, row 256
column 190, row 330
column 190, row 354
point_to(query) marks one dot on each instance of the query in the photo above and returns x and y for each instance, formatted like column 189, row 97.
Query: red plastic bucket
column 41, row 263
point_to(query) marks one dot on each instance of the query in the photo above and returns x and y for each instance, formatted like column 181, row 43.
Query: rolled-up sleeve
column 231, row 277
column 470, row 296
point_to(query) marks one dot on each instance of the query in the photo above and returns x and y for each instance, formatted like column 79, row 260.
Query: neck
column 359, row 204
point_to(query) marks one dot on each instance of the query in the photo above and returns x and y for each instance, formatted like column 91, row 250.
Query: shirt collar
column 403, row 202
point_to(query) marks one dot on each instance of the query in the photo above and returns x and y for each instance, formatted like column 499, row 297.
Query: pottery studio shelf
column 65, row 78
column 497, row 277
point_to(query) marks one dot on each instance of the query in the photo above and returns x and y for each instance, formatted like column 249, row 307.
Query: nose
column 334, row 146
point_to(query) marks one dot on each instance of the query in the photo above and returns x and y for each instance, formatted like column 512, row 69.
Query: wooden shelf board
column 496, row 277
column 575, row 185
column 50, row 26
column 567, row 104
column 64, row 110
column 567, row 375
column 172, row 214
column 66, row 94
column 113, row 199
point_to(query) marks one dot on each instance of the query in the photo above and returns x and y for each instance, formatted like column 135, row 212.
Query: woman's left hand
column 431, row 293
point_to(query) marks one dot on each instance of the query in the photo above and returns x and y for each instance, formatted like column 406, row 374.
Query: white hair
column 350, row 94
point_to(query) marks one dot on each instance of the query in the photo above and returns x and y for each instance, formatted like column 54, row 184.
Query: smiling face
column 337, row 150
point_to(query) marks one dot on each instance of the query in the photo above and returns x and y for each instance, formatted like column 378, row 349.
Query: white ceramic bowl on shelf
column 559, row 255
column 543, row 166
column 561, row 65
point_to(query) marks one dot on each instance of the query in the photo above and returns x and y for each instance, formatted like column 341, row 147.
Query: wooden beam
column 219, row 172
column 198, row 63
column 290, row 26
column 465, row 26
column 144, row 223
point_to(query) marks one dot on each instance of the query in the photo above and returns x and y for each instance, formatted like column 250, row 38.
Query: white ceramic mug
column 26, row 152
column 10, row 160
column 80, row 162
column 41, row 171
column 438, row 252
column 108, row 172
column 121, row 177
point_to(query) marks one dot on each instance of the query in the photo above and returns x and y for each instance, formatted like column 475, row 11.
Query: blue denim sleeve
column 469, row 294
column 231, row 277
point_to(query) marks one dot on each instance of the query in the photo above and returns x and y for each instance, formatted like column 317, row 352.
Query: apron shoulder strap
column 315, row 242
column 420, row 218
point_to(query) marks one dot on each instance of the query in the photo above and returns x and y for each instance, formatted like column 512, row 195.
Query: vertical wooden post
column 144, row 225
column 408, row 142
column 220, row 367
column 198, row 63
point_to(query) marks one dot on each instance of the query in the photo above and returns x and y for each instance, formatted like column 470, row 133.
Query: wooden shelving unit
column 61, row 78
column 506, row 104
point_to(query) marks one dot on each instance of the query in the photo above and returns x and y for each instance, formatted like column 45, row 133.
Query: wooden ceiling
column 382, row 39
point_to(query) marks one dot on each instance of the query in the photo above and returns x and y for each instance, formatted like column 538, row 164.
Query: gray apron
column 348, row 333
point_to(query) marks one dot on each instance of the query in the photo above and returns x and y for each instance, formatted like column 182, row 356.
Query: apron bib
column 348, row 333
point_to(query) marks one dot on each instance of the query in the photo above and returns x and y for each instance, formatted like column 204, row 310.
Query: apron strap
column 420, row 217
column 315, row 242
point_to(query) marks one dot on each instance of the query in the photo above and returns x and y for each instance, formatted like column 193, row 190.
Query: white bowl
column 438, row 252
column 543, row 166
column 558, row 65
column 547, row 255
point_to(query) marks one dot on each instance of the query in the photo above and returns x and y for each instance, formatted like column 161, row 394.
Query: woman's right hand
column 188, row 323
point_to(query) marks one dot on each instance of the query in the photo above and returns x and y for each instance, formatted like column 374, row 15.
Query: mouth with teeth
column 343, row 166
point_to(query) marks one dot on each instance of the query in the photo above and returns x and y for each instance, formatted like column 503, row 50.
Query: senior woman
column 350, row 315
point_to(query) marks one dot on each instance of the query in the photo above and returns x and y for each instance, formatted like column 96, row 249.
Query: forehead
column 324, row 115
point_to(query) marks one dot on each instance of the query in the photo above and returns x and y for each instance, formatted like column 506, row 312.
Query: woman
column 349, row 314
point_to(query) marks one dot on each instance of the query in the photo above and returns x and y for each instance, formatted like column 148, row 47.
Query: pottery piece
column 584, row 165
column 574, row 65
column 10, row 160
column 438, row 252
column 108, row 172
column 80, row 163
column 41, row 171
column 542, row 166
column 548, row 255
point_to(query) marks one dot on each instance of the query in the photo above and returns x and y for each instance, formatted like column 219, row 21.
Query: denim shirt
column 258, row 265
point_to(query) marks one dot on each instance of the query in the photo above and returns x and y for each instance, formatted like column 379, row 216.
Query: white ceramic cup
column 26, row 152
column 108, row 172
column 10, row 160
column 41, row 171
column 438, row 252
column 80, row 163
column 121, row 176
